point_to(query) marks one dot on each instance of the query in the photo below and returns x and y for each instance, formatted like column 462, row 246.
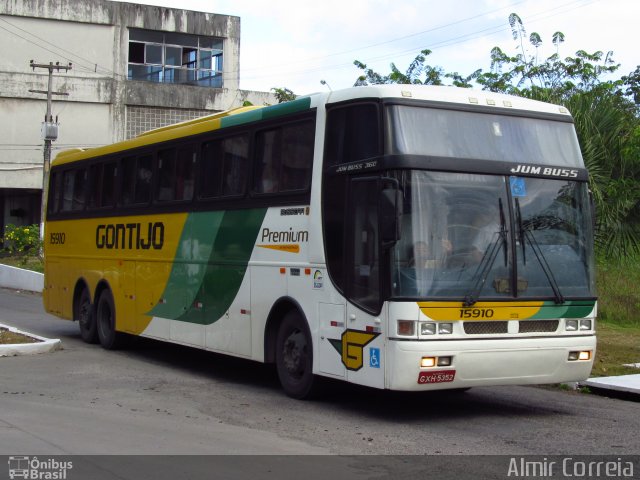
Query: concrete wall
column 19, row 279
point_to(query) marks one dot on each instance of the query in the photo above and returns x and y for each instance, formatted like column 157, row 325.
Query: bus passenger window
column 285, row 158
column 235, row 151
column 108, row 188
column 210, row 169
column 297, row 156
column 165, row 191
column 184, row 173
column 128, row 185
column 55, row 192
column 268, row 166
column 73, row 197
column 143, row 179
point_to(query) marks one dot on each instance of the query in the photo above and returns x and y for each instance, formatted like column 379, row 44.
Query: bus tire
column 83, row 313
column 106, row 322
column 294, row 357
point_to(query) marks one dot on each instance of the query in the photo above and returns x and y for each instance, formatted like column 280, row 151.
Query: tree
column 283, row 94
column 417, row 69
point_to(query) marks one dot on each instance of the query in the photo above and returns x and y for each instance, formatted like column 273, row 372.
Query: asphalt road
column 161, row 399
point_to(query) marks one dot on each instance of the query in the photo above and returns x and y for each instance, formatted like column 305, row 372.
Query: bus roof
column 238, row 116
column 445, row 94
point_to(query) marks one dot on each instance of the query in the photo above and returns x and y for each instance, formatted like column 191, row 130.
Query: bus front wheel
column 83, row 313
column 106, row 322
column 294, row 357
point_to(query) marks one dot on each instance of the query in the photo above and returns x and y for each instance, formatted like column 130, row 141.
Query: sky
column 296, row 44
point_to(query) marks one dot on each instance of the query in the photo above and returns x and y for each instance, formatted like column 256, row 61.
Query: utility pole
column 49, row 130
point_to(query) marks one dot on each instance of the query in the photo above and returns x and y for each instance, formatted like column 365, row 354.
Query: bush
column 23, row 240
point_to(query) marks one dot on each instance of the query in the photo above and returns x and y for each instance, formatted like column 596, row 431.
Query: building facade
column 133, row 68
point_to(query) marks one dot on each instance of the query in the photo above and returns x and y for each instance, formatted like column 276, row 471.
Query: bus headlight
column 571, row 325
column 427, row 328
column 585, row 324
column 445, row 328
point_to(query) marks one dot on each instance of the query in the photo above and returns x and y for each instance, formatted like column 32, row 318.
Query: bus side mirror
column 390, row 208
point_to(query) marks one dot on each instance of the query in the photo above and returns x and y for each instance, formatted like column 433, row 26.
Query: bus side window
column 353, row 133
column 144, row 165
column 128, row 186
column 185, row 173
column 284, row 158
column 297, row 156
column 165, row 189
column 108, row 184
column 235, row 153
column 53, row 206
column 211, row 169
column 268, row 161
column 73, row 190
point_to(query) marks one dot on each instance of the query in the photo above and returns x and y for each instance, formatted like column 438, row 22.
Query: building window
column 168, row 57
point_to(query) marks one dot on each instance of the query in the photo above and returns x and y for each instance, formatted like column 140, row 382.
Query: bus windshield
column 471, row 236
column 461, row 134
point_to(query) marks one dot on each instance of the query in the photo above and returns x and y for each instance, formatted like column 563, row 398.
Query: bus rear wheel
column 294, row 357
column 106, row 322
column 83, row 313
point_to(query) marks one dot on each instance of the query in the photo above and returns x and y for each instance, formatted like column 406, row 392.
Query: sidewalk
column 622, row 383
column 42, row 345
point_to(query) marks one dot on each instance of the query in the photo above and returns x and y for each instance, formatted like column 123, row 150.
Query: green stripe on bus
column 210, row 267
column 287, row 108
column 273, row 111
column 570, row 309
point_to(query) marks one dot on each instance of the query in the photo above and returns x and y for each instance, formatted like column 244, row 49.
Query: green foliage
column 284, row 94
column 618, row 294
column 22, row 240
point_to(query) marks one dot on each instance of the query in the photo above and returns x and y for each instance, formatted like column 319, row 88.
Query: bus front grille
column 485, row 328
column 533, row 326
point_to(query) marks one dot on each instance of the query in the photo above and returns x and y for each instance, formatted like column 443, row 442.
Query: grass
column 618, row 292
column 28, row 262
column 617, row 345
column 7, row 337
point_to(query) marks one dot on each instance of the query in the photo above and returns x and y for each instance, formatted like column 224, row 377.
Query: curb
column 45, row 345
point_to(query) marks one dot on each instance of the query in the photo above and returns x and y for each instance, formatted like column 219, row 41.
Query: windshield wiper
column 488, row 259
column 525, row 233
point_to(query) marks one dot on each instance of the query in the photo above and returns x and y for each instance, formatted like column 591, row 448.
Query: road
column 161, row 399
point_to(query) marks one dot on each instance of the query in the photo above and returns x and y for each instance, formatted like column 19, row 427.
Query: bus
column 399, row 237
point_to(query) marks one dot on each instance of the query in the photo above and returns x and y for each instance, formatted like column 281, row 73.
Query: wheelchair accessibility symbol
column 374, row 357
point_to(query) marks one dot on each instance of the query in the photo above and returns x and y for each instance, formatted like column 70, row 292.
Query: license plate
column 440, row 376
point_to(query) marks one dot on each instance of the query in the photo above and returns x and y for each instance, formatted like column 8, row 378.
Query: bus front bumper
column 484, row 362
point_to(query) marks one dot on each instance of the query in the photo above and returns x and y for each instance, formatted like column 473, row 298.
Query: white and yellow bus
column 400, row 237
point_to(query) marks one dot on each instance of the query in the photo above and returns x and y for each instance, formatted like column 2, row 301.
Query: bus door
column 363, row 343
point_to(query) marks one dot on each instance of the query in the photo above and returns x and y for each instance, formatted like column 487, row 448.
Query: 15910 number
column 476, row 313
